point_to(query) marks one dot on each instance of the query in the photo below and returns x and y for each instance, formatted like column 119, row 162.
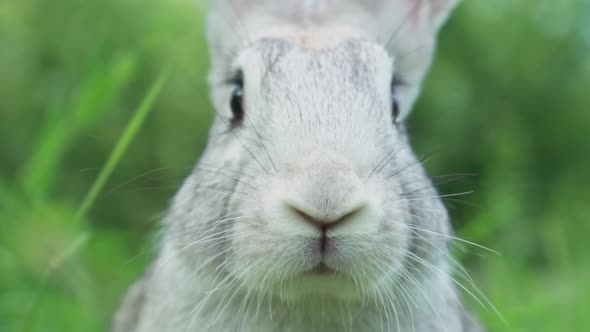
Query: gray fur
column 318, row 135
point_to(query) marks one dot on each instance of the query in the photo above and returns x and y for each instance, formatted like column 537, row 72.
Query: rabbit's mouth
column 321, row 270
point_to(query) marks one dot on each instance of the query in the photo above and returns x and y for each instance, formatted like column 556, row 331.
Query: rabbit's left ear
column 440, row 10
column 423, row 14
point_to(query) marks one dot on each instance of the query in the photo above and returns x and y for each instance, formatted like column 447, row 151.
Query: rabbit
column 308, row 210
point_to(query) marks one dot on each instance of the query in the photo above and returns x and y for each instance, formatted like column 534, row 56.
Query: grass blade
column 122, row 144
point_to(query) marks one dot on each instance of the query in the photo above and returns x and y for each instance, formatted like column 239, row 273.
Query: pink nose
column 326, row 193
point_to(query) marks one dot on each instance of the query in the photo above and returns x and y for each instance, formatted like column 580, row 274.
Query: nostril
column 324, row 223
column 350, row 215
column 307, row 217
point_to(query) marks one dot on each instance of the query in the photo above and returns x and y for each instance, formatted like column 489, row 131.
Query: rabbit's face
column 308, row 185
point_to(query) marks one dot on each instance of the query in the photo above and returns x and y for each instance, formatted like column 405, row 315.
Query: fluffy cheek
column 395, row 243
column 374, row 259
column 379, row 257
column 263, row 255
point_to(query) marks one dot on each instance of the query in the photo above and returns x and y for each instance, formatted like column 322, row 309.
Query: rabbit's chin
column 335, row 285
column 308, row 287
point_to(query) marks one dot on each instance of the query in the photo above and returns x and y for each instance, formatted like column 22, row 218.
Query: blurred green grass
column 507, row 100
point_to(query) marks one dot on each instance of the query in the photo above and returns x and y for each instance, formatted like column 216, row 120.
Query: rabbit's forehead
column 351, row 63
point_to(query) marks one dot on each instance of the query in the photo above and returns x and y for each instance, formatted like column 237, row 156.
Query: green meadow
column 104, row 109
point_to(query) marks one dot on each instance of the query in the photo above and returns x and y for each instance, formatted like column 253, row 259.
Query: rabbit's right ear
column 233, row 24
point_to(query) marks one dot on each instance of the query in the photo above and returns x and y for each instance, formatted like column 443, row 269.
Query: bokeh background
column 508, row 101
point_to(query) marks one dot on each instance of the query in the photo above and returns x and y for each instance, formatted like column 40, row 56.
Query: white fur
column 318, row 137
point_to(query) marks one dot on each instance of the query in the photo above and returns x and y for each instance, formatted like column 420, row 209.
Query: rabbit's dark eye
column 395, row 108
column 236, row 101
column 236, row 105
